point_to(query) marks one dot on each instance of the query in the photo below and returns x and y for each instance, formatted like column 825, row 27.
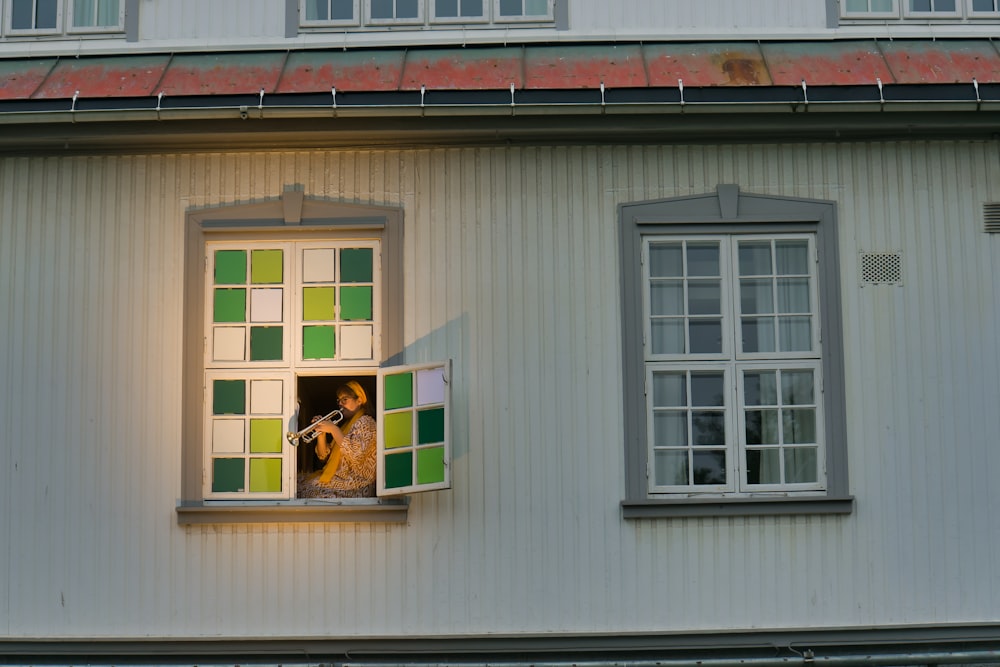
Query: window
column 381, row 13
column 919, row 9
column 45, row 17
column 732, row 356
column 291, row 301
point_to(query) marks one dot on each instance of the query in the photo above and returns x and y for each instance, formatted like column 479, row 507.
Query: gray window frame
column 730, row 211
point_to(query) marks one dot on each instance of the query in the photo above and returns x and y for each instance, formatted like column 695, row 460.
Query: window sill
column 345, row 510
column 721, row 507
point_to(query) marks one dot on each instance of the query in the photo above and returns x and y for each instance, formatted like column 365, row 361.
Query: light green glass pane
column 398, row 427
column 756, row 296
column 430, row 426
column 670, row 468
column 266, row 343
column 799, row 426
column 318, row 342
column 703, row 259
column 881, row 5
column 795, row 333
column 356, row 303
column 801, row 465
column 398, row 391
column 668, row 336
column 356, row 265
column 230, row 305
column 229, row 397
column 266, row 267
column 536, row 7
column 704, row 297
column 797, row 387
column 705, row 336
column 318, row 303
column 265, row 475
column 791, row 257
column 399, row 470
column 430, row 465
column 669, row 390
column 230, row 267
column 670, row 428
column 707, row 388
column 761, row 427
column 793, row 295
column 763, row 466
column 666, row 260
column 666, row 297
column 265, row 436
column 755, row 258
column 227, row 475
column 760, row 388
column 758, row 334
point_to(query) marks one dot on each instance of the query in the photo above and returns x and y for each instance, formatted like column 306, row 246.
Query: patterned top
column 355, row 476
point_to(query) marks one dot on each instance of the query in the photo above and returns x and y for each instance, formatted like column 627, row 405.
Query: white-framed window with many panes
column 732, row 356
column 282, row 317
column 919, row 9
column 387, row 13
column 54, row 17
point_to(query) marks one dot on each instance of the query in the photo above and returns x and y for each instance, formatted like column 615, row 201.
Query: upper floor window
column 376, row 13
column 54, row 17
column 920, row 9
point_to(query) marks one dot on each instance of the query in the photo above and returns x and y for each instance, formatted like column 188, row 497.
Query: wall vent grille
column 881, row 268
column 991, row 217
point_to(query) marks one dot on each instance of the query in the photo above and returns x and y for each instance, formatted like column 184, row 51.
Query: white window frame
column 320, row 23
column 12, row 31
column 417, row 20
column 95, row 29
column 434, row 18
column 523, row 18
column 964, row 10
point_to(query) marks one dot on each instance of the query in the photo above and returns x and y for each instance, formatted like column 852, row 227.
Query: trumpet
column 309, row 433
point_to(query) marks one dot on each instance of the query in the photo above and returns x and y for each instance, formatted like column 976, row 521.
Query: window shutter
column 414, row 428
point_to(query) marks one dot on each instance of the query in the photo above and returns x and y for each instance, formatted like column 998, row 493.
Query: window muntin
column 34, row 16
column 523, row 10
column 732, row 364
column 382, row 12
column 96, row 15
column 330, row 12
column 459, row 11
column 49, row 17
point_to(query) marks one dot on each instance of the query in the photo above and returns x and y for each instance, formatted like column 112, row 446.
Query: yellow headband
column 358, row 391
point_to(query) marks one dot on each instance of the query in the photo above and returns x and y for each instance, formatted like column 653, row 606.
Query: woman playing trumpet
column 348, row 449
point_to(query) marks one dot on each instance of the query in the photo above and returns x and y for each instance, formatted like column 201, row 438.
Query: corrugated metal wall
column 510, row 258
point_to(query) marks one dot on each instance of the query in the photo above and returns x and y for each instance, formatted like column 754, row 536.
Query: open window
column 285, row 302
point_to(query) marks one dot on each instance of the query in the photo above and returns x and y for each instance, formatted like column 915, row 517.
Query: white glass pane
column 666, row 260
column 667, row 336
column 670, row 429
column 227, row 436
column 706, row 336
column 800, row 465
column 760, row 388
column 704, row 297
column 356, row 342
column 708, row 427
column 709, row 467
column 797, row 387
column 758, row 334
column 763, row 466
column 670, row 468
column 669, row 390
column 795, row 333
column 666, row 298
column 756, row 296
column 793, row 295
column 798, row 426
column 229, row 344
column 266, row 397
column 703, row 259
column 318, row 265
column 265, row 305
column 791, row 257
column 761, row 427
column 430, row 386
column 755, row 258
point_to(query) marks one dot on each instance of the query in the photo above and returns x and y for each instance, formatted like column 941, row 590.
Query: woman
column 349, row 471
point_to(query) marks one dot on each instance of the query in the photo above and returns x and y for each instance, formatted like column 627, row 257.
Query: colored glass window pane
column 318, row 303
column 398, row 470
column 355, row 303
column 356, row 265
column 430, row 386
column 265, row 436
column 430, row 426
column 265, row 475
column 318, row 342
column 265, row 343
column 230, row 267
column 228, row 397
column 266, row 267
column 398, row 391
column 227, row 475
column 398, row 430
column 230, row 305
column 318, row 265
column 430, row 465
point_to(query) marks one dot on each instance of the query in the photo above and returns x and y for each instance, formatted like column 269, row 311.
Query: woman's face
column 348, row 404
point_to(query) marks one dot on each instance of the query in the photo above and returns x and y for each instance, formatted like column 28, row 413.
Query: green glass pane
column 398, row 391
column 227, row 475
column 398, row 470
column 430, row 426
column 265, row 343
column 230, row 305
column 430, row 465
column 356, row 265
column 230, row 267
column 265, row 267
column 356, row 303
column 229, row 397
column 265, row 436
column 318, row 303
column 398, row 428
column 265, row 475
column 318, row 343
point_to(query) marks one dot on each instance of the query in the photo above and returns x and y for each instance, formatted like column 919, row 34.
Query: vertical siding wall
column 510, row 257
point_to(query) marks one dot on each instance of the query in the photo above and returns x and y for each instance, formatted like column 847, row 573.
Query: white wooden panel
column 510, row 261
